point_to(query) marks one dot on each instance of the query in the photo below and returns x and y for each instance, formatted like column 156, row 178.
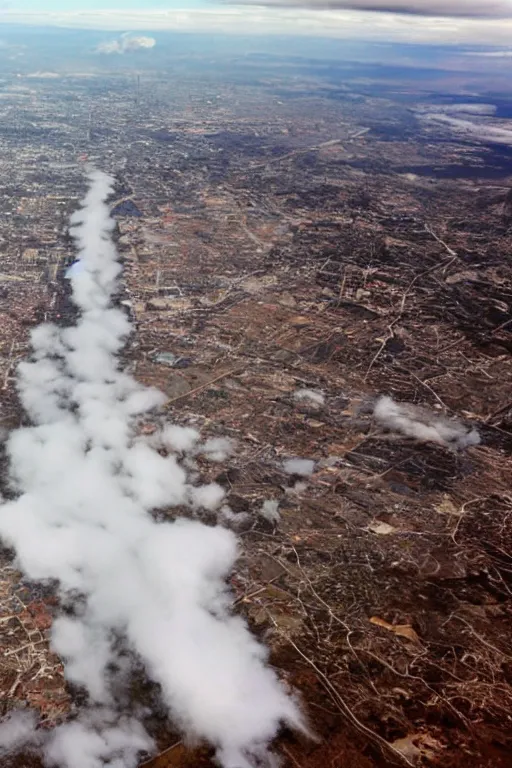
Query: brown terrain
column 341, row 261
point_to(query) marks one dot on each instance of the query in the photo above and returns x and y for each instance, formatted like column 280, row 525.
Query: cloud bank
column 134, row 589
column 457, row 117
column 482, row 131
column 126, row 44
column 451, row 8
column 297, row 20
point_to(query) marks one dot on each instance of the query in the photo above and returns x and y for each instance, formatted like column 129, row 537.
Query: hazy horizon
column 293, row 18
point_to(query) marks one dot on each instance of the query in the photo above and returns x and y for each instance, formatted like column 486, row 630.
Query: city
column 281, row 234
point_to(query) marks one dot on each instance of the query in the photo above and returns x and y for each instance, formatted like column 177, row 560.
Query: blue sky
column 99, row 5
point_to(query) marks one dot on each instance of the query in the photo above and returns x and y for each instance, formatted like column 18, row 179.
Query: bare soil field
column 384, row 591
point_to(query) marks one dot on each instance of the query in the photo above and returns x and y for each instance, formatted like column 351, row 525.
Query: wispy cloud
column 481, row 131
column 423, row 424
column 494, row 54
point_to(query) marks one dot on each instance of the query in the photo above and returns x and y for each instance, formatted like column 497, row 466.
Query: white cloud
column 304, row 22
column 456, row 116
column 126, row 44
column 480, row 131
column 179, row 439
column 485, row 110
column 302, row 467
column 422, row 424
column 90, row 742
column 87, row 486
column 270, row 511
column 493, row 54
column 17, row 731
column 310, row 396
column 217, row 448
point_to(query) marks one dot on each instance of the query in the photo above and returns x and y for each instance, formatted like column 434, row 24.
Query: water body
column 496, row 164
